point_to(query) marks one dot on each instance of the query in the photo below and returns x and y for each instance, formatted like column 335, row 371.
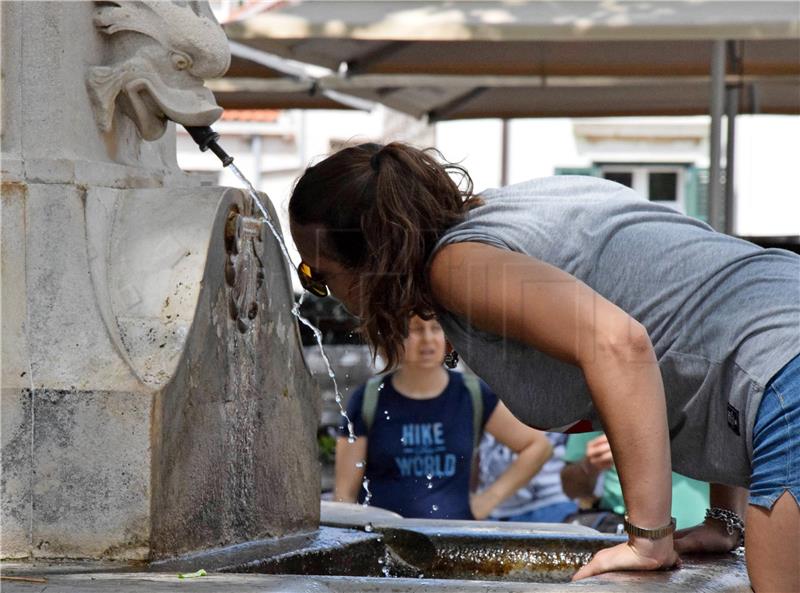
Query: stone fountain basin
column 485, row 550
column 355, row 548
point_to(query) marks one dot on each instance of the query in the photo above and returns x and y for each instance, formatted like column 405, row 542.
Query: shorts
column 776, row 439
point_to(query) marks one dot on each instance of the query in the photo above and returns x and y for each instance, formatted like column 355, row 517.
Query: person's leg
column 526, row 517
column 772, row 525
column 772, row 548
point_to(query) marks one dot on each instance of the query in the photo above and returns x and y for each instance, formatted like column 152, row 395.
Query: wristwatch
column 656, row 533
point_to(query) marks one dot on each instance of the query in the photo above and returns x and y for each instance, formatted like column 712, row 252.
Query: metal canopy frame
column 537, row 58
column 440, row 60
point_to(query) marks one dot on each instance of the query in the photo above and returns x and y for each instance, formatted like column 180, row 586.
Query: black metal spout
column 206, row 138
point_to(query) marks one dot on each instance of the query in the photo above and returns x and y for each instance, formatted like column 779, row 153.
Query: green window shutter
column 697, row 192
column 590, row 171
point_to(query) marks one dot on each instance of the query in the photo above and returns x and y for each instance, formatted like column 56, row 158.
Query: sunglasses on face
column 311, row 284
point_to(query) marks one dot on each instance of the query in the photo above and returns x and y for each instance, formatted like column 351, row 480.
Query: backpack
column 370, row 404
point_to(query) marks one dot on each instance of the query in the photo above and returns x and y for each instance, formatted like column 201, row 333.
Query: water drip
column 367, row 493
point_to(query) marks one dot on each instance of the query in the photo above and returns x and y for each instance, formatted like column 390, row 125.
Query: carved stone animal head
column 162, row 52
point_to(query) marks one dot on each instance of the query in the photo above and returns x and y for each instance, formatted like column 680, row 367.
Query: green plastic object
column 191, row 575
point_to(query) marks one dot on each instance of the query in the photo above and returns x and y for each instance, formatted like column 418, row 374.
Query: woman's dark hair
column 384, row 208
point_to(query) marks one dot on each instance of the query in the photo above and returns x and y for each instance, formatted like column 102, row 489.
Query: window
column 620, row 177
column 663, row 187
column 654, row 182
column 684, row 187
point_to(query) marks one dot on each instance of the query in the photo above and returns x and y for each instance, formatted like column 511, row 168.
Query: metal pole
column 731, row 110
column 732, row 106
column 716, row 203
column 257, row 152
column 505, row 141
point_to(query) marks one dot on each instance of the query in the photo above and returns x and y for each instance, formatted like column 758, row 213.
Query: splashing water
column 367, row 493
column 296, row 309
column 351, row 437
column 384, row 562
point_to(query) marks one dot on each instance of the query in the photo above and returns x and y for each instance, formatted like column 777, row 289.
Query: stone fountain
column 156, row 406
column 154, row 395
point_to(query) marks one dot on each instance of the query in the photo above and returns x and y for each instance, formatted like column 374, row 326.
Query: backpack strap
column 473, row 385
column 370, row 402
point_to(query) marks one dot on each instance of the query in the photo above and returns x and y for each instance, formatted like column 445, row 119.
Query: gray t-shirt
column 723, row 314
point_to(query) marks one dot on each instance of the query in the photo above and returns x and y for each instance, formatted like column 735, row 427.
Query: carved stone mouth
column 154, row 102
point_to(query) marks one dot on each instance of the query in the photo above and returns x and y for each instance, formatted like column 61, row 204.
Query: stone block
column 11, row 169
column 16, row 503
column 49, row 170
column 13, row 288
column 91, row 458
column 11, row 111
column 68, row 338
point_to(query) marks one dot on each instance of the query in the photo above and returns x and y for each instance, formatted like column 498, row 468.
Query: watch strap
column 652, row 534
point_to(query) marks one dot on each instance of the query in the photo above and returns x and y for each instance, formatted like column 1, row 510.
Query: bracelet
column 733, row 523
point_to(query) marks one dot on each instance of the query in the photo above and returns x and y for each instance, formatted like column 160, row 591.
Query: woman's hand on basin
column 712, row 536
column 706, row 538
column 635, row 554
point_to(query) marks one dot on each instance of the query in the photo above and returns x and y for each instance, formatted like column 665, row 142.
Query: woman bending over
column 584, row 308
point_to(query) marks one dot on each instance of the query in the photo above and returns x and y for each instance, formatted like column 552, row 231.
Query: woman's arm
column 579, row 479
column 349, row 469
column 533, row 449
column 522, row 298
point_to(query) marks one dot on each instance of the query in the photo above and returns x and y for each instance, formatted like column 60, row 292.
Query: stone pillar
column 154, row 395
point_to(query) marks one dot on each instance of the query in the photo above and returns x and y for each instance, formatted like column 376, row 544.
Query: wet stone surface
column 421, row 558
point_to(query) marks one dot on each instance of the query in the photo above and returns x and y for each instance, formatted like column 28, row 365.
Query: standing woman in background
column 417, row 430
column 584, row 307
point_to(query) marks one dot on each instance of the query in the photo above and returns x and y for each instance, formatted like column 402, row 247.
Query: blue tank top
column 419, row 452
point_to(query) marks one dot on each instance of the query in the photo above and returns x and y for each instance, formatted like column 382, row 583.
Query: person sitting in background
column 416, row 432
column 590, row 477
column 542, row 500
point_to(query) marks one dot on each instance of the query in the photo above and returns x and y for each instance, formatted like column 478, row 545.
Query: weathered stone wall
column 257, row 475
column 137, row 419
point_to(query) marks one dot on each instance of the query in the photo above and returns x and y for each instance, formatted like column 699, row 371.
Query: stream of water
column 296, row 312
